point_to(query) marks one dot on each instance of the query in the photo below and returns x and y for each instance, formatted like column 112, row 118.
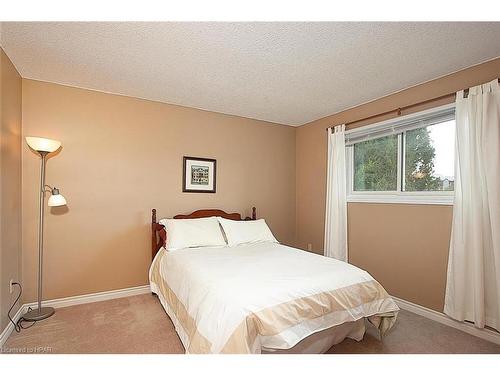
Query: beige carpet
column 139, row 325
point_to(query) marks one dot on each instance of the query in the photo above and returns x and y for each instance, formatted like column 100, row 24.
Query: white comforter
column 221, row 287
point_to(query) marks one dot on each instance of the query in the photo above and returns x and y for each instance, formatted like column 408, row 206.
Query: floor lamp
column 43, row 146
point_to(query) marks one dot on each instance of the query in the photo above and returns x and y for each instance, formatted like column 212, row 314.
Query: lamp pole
column 40, row 227
column 41, row 312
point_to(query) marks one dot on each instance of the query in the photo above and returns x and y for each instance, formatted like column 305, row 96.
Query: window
column 430, row 157
column 409, row 160
column 376, row 164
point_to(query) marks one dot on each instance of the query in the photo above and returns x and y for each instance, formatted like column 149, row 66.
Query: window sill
column 401, row 199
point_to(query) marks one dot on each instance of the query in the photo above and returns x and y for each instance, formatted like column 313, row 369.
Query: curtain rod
column 399, row 110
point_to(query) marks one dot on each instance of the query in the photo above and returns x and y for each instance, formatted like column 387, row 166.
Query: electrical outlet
column 11, row 286
column 309, row 246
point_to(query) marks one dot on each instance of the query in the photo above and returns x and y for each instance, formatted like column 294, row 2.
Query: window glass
column 376, row 164
column 429, row 158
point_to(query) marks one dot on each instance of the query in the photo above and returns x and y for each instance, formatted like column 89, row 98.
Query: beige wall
column 405, row 247
column 10, row 183
column 121, row 157
column 382, row 238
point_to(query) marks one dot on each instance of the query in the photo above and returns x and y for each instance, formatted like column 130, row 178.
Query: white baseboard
column 75, row 300
column 485, row 334
column 8, row 330
column 93, row 297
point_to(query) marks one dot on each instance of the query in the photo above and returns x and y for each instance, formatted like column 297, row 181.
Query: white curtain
column 473, row 283
column 336, row 202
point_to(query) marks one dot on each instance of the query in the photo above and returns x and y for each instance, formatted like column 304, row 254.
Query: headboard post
column 153, row 232
column 254, row 213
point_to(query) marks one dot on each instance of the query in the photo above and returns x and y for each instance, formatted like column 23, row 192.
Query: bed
column 263, row 297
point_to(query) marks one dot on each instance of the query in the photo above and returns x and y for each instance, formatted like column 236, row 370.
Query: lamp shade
column 56, row 200
column 43, row 144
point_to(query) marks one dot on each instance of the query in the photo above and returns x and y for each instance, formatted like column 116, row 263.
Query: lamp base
column 36, row 314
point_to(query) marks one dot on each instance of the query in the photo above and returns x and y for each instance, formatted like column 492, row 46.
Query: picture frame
column 199, row 175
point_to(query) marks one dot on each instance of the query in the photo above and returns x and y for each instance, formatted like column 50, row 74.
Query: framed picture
column 198, row 175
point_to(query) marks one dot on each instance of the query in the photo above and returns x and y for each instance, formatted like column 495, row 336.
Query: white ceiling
column 289, row 73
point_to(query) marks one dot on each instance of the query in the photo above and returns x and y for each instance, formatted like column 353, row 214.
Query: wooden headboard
column 159, row 235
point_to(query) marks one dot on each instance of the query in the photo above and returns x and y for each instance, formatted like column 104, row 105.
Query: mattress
column 263, row 297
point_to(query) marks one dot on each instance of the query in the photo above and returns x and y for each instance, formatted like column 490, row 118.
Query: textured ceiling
column 289, row 73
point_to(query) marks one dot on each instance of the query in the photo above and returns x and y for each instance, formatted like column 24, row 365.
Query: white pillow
column 182, row 233
column 239, row 232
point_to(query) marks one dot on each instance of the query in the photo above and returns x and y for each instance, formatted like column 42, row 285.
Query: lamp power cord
column 18, row 326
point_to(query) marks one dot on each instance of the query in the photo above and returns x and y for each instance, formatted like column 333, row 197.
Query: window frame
column 398, row 196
